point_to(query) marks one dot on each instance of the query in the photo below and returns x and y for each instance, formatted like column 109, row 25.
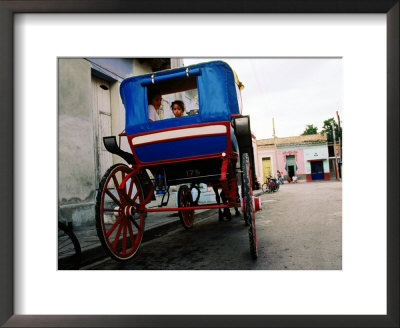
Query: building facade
column 303, row 156
column 335, row 160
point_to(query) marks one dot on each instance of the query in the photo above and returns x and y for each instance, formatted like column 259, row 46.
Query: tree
column 310, row 129
column 327, row 128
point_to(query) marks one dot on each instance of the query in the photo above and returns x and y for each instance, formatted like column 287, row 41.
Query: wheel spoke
column 112, row 210
column 130, row 188
column 109, row 232
column 134, row 198
column 109, row 193
column 116, row 185
column 121, row 193
column 124, row 240
column 123, row 177
column 114, row 245
column 131, row 235
column 185, row 200
column 134, row 222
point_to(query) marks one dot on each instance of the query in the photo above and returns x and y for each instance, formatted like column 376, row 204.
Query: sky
column 294, row 91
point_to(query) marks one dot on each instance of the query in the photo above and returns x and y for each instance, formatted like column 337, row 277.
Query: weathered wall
column 76, row 183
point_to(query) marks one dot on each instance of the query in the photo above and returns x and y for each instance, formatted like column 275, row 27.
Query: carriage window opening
column 181, row 93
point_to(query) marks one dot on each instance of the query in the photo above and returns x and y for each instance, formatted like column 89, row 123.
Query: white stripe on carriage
column 179, row 133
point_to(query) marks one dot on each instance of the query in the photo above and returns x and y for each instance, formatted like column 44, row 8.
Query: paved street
column 299, row 228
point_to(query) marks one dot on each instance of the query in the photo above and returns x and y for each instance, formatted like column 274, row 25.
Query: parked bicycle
column 270, row 185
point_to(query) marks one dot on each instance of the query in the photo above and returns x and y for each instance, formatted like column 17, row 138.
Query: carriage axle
column 187, row 208
column 130, row 210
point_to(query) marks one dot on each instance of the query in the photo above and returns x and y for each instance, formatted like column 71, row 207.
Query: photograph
column 200, row 163
column 176, row 164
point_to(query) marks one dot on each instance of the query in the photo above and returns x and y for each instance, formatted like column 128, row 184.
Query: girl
column 178, row 108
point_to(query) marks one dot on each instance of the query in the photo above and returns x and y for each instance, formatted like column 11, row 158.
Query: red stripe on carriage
column 178, row 138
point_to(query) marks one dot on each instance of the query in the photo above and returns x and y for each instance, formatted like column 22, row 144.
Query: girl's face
column 156, row 101
column 178, row 112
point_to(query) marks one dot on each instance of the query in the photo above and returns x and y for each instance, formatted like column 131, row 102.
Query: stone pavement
column 157, row 224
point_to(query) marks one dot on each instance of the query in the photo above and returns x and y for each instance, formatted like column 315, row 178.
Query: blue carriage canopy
column 216, row 88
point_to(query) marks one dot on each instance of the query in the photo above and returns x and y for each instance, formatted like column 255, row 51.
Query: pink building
column 304, row 156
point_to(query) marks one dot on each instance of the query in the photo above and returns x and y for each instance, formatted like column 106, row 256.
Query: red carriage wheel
column 185, row 199
column 248, row 202
column 119, row 223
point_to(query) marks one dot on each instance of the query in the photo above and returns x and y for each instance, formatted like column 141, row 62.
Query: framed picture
column 13, row 172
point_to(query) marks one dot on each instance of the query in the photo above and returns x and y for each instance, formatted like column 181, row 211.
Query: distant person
column 294, row 178
column 178, row 108
column 289, row 179
column 154, row 100
column 280, row 179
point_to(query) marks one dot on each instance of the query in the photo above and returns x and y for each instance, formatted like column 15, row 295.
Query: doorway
column 291, row 165
column 317, row 170
column 266, row 165
column 101, row 100
column 291, row 171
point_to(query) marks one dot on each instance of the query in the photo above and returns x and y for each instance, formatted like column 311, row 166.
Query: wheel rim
column 184, row 200
column 122, row 224
column 264, row 187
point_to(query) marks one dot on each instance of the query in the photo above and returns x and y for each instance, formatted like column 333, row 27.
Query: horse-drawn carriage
column 211, row 145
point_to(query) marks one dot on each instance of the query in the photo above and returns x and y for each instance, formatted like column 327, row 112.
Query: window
column 183, row 91
column 330, row 151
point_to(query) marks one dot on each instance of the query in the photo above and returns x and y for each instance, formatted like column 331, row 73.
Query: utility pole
column 334, row 149
column 340, row 144
column 276, row 150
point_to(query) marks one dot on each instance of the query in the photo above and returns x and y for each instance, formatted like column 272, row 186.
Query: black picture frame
column 7, row 172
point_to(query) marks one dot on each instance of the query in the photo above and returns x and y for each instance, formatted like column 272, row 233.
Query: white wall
column 315, row 153
column 76, row 160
